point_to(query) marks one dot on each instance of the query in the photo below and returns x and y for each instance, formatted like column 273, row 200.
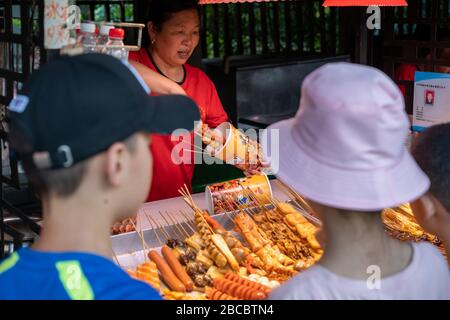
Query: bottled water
column 103, row 37
column 88, row 38
column 116, row 39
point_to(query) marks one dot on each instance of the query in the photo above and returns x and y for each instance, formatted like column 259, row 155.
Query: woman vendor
column 173, row 30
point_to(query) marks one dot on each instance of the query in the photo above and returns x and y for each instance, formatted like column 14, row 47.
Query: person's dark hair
column 160, row 11
column 432, row 153
column 63, row 182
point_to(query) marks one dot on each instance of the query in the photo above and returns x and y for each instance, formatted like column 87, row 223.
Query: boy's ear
column 115, row 164
column 424, row 207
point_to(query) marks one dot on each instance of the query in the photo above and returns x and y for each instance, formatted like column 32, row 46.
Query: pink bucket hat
column 345, row 148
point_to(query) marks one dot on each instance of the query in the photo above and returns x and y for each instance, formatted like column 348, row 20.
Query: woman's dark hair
column 160, row 11
column 432, row 153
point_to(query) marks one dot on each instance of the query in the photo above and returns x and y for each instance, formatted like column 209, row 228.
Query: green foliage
column 305, row 22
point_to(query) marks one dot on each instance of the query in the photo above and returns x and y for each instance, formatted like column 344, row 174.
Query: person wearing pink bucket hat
column 344, row 152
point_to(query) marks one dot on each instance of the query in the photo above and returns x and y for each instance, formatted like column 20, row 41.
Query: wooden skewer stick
column 188, row 222
column 308, row 212
column 180, row 223
column 195, row 151
column 186, row 199
column 172, row 227
column 230, row 205
column 164, row 232
column 177, row 225
column 207, row 224
column 234, row 204
column 249, row 192
column 154, row 230
column 115, row 258
column 190, row 196
column 148, row 216
column 195, row 146
column 143, row 240
column 226, row 214
column 297, row 197
column 289, row 195
column 138, row 219
column 222, row 209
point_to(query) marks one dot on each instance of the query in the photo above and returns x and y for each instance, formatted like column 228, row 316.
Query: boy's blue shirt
column 30, row 275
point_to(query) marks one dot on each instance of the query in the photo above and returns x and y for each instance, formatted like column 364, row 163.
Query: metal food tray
column 128, row 247
column 129, row 250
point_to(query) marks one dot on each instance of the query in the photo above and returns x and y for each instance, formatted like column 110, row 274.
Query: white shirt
column 426, row 277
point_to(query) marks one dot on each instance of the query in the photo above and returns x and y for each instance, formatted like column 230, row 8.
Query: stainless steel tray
column 129, row 247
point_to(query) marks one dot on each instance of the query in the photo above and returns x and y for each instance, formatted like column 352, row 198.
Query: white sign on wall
column 431, row 99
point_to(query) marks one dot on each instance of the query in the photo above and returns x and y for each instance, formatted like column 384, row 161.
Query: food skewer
column 227, row 214
column 230, row 216
column 160, row 226
column 180, row 222
column 154, row 230
column 190, row 197
column 290, row 195
column 251, row 194
column 300, row 201
column 195, row 151
column 229, row 204
column 144, row 244
column 187, row 200
column 176, row 232
column 166, row 235
column 307, row 211
column 177, row 224
column 142, row 236
column 231, row 201
column 173, row 226
column 189, row 222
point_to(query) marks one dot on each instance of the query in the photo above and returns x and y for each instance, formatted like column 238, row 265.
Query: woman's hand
column 250, row 170
column 156, row 82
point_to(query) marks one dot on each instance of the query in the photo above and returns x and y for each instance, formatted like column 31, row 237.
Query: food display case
column 217, row 250
column 188, row 249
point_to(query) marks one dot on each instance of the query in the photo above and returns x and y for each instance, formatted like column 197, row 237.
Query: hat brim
column 165, row 114
column 343, row 188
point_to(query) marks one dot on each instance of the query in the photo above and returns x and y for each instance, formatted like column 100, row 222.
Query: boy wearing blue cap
column 80, row 127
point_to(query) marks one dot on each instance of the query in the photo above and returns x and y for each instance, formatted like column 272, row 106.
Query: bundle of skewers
column 214, row 141
column 276, row 253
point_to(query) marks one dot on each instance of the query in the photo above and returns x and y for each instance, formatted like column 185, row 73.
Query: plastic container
column 220, row 196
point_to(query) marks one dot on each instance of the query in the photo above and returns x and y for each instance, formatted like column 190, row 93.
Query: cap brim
column 166, row 114
column 342, row 188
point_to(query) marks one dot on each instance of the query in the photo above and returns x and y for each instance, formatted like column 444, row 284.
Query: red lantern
column 364, row 3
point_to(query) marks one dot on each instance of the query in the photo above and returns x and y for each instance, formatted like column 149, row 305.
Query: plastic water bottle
column 116, row 39
column 88, row 37
column 103, row 37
